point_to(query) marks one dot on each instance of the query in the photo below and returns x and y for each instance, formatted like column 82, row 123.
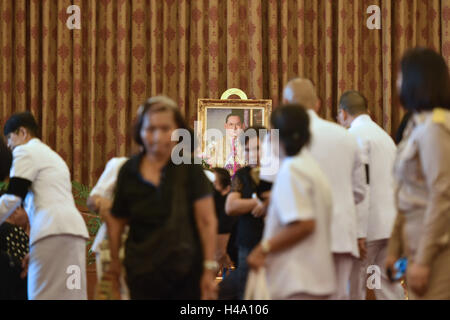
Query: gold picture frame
column 256, row 112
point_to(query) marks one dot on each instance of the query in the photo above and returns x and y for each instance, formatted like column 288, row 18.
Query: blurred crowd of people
column 345, row 200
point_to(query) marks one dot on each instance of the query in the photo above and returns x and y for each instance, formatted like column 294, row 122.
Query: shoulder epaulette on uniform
column 439, row 115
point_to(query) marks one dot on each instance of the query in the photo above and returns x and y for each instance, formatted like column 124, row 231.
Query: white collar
column 360, row 119
column 31, row 141
column 312, row 113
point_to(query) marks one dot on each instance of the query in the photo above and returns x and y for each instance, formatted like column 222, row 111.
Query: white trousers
column 376, row 256
column 57, row 268
column 343, row 263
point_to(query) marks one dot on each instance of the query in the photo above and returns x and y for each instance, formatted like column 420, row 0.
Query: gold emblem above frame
column 256, row 111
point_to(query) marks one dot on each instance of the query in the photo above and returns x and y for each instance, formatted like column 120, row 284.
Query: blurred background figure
column 336, row 152
column 422, row 172
column 40, row 178
column 297, row 237
column 226, row 223
column 100, row 201
column 170, row 213
column 247, row 202
column 377, row 211
column 13, row 242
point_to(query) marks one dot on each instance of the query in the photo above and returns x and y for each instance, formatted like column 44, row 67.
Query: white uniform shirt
column 301, row 192
column 377, row 212
column 337, row 154
column 105, row 188
column 107, row 181
column 49, row 202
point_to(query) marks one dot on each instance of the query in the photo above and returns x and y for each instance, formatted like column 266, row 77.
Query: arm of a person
column 362, row 208
column 23, row 172
column 100, row 205
column 103, row 191
column 8, row 204
column 236, row 206
column 434, row 152
column 295, row 210
column 207, row 225
column 292, row 203
column 358, row 175
column 116, row 220
column 291, row 234
column 115, row 227
column 222, row 242
column 93, row 202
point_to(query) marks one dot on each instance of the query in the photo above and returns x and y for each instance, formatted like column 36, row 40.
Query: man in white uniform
column 336, row 151
column 377, row 212
column 58, row 233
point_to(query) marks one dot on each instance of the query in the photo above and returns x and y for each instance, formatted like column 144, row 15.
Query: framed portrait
column 220, row 122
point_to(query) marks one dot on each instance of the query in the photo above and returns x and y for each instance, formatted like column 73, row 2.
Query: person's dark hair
column 353, row 102
column 425, row 80
column 402, row 126
column 5, row 159
column 22, row 119
column 238, row 113
column 292, row 121
column 157, row 104
column 224, row 176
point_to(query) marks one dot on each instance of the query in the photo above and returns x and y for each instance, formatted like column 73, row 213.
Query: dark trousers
column 153, row 287
column 233, row 286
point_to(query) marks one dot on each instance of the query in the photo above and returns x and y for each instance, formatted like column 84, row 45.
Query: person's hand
column 20, row 218
column 103, row 206
column 224, row 261
column 208, row 285
column 259, row 210
column 265, row 196
column 25, row 262
column 257, row 258
column 362, row 248
column 417, row 278
column 389, row 264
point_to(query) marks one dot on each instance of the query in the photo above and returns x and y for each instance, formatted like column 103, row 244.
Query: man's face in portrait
column 233, row 125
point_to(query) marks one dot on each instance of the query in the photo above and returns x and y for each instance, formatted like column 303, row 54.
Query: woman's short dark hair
column 425, row 80
column 223, row 176
column 157, row 104
column 292, row 121
column 22, row 119
column 5, row 159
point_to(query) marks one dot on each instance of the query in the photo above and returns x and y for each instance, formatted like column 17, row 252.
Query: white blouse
column 49, row 202
column 301, row 192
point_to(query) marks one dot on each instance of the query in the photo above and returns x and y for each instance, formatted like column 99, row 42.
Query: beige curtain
column 84, row 86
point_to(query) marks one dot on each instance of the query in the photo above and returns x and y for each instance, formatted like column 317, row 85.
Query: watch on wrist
column 210, row 265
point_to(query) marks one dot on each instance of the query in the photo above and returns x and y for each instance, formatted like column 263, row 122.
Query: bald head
column 353, row 102
column 301, row 91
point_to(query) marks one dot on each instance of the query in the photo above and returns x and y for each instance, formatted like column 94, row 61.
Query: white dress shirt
column 377, row 212
column 337, row 153
column 107, row 181
column 49, row 202
column 301, row 192
column 105, row 188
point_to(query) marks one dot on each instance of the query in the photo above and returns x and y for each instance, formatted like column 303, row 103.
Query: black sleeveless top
column 249, row 228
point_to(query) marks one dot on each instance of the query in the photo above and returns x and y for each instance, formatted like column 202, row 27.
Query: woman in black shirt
column 169, row 253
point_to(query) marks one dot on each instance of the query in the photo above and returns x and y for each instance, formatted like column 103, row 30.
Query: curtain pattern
column 84, row 86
